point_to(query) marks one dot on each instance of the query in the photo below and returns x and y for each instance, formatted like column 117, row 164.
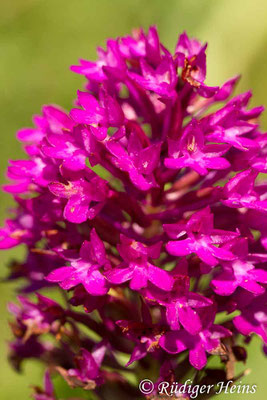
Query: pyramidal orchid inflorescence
column 143, row 208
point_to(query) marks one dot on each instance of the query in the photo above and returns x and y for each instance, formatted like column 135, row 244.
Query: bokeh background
column 39, row 39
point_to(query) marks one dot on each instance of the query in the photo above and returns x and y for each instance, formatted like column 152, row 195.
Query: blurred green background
column 39, row 39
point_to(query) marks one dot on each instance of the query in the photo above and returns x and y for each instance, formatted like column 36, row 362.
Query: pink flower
column 142, row 207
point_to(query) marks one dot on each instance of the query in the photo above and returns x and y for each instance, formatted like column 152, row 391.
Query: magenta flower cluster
column 143, row 208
